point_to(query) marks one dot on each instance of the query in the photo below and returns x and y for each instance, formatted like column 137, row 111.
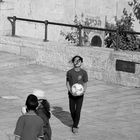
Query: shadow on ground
column 63, row 116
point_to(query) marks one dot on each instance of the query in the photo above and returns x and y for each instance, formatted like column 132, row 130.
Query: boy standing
column 29, row 126
column 73, row 76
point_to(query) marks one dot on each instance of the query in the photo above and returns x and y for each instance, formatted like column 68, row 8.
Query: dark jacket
column 45, row 115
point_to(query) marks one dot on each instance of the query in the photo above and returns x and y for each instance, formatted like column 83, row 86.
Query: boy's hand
column 70, row 90
column 24, row 110
column 40, row 138
column 17, row 138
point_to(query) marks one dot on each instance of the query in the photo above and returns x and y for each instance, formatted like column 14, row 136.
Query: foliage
column 125, row 41
column 136, row 8
column 73, row 35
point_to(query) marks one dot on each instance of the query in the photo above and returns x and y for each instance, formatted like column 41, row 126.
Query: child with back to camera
column 43, row 111
column 73, row 76
column 29, row 126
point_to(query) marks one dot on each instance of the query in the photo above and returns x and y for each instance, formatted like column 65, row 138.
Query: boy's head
column 77, row 57
column 77, row 61
column 31, row 102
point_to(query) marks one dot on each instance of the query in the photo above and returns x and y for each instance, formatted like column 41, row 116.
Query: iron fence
column 79, row 27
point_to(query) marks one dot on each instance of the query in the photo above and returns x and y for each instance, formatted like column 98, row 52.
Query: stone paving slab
column 110, row 112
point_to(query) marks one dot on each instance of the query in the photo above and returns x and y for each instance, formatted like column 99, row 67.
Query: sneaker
column 74, row 130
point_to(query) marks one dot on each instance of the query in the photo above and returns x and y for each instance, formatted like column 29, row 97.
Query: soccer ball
column 77, row 89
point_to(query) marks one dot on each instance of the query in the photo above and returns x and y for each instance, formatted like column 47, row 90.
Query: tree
column 136, row 8
column 125, row 41
column 73, row 35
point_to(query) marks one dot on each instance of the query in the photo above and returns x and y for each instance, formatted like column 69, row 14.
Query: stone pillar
column 6, row 9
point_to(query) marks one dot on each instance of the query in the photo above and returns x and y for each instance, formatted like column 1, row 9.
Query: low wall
column 100, row 63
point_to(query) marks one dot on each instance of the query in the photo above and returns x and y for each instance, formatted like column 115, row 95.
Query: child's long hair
column 46, row 106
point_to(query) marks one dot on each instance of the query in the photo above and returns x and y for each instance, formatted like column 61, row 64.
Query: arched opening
column 96, row 41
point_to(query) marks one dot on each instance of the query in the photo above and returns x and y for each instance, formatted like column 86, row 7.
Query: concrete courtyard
column 110, row 112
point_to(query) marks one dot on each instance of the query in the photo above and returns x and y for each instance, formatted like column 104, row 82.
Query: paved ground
column 110, row 112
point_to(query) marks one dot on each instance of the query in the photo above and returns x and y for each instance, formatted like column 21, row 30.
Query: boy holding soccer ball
column 75, row 76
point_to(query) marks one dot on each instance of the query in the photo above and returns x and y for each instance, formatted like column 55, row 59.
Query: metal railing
column 79, row 27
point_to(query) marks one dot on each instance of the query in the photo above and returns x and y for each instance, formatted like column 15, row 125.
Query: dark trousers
column 75, row 105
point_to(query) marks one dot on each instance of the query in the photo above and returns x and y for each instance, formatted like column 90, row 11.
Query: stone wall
column 99, row 62
column 6, row 9
column 56, row 11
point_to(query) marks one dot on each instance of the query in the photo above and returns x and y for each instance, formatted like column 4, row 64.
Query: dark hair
column 80, row 58
column 46, row 106
column 31, row 102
